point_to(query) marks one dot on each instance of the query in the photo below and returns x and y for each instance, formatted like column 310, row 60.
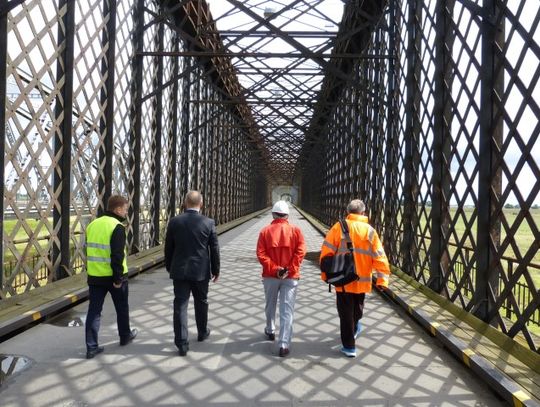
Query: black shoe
column 93, row 352
column 129, row 339
column 204, row 336
column 270, row 337
column 183, row 349
column 283, row 352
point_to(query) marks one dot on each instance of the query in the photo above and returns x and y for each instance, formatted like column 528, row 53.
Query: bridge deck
column 398, row 363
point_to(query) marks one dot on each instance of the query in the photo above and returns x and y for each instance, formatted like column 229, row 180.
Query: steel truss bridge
column 427, row 110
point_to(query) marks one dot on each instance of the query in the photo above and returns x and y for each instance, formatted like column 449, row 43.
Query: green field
column 523, row 236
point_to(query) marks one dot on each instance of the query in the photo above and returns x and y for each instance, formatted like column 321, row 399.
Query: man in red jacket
column 280, row 250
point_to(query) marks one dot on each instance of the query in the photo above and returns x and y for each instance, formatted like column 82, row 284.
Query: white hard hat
column 281, row 207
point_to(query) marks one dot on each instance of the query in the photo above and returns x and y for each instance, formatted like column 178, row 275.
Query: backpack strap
column 345, row 230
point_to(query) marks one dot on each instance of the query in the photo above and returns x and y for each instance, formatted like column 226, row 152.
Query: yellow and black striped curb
column 67, row 300
column 487, row 371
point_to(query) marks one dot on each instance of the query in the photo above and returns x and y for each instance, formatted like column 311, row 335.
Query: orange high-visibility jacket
column 369, row 253
column 281, row 244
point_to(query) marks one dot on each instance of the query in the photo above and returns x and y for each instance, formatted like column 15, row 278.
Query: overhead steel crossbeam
column 278, row 60
column 271, row 47
column 358, row 24
column 193, row 21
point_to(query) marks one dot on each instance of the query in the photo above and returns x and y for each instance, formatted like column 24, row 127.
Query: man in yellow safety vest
column 107, row 273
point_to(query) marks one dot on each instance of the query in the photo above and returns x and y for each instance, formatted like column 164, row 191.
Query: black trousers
column 96, row 297
column 182, row 290
column 350, row 310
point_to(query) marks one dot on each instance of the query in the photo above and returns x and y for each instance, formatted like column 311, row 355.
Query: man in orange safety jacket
column 369, row 257
column 280, row 250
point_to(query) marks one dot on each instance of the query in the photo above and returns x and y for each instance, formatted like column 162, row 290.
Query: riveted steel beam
column 3, row 124
column 303, row 55
column 107, row 100
column 441, row 146
column 62, row 141
column 490, row 181
column 134, row 186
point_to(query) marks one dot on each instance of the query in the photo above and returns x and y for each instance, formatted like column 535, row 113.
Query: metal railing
column 520, row 291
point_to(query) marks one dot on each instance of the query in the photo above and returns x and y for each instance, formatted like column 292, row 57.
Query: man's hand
column 215, row 278
column 282, row 273
column 117, row 285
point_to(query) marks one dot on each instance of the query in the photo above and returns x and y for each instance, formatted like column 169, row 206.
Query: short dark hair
column 116, row 201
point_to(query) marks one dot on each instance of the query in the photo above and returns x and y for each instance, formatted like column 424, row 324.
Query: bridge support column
column 3, row 91
column 173, row 134
column 134, row 184
column 409, row 247
column 157, row 134
column 489, row 177
column 439, row 255
column 107, row 100
column 186, row 124
column 62, row 141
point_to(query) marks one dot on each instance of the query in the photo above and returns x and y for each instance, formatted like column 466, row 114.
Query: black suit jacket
column 191, row 247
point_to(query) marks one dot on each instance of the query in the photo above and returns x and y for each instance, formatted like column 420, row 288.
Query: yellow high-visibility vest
column 98, row 247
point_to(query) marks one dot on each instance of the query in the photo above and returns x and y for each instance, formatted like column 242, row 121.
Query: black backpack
column 340, row 269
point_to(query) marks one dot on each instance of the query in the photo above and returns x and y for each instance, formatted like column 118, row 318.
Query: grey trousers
column 286, row 289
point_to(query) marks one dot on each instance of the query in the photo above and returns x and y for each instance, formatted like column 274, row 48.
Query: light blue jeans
column 286, row 289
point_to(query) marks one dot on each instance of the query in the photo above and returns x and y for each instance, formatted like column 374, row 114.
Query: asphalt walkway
column 398, row 364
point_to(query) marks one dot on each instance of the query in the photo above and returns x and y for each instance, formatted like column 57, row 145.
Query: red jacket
column 281, row 245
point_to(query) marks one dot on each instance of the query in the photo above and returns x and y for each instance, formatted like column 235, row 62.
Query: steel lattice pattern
column 452, row 160
column 134, row 127
column 428, row 110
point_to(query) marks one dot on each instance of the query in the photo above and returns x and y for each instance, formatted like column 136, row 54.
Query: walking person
column 191, row 258
column 369, row 256
column 280, row 250
column 107, row 270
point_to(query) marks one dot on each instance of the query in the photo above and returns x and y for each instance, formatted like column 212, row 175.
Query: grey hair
column 356, row 206
column 276, row 215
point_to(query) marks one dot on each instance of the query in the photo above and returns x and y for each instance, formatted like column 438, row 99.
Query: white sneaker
column 349, row 352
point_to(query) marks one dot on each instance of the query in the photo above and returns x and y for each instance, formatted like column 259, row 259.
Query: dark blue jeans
column 96, row 297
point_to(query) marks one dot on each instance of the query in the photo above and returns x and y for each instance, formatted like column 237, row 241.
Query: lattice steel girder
column 189, row 18
column 3, row 89
column 489, row 188
column 441, row 147
column 194, row 20
column 462, row 138
column 107, row 100
column 134, row 185
column 355, row 31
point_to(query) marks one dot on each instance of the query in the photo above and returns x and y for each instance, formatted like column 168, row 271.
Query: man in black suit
column 191, row 258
